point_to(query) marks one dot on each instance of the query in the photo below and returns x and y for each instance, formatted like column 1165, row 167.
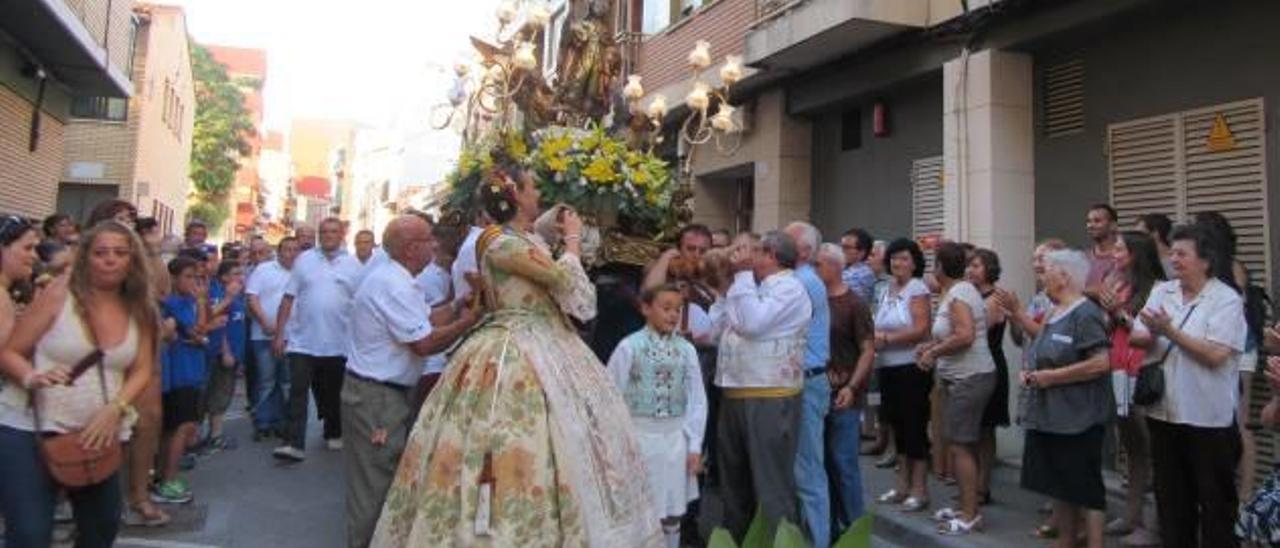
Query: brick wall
column 108, row 143
column 663, row 57
column 93, row 13
column 28, row 181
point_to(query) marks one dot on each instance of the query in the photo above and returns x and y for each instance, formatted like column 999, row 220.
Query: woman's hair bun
column 498, row 195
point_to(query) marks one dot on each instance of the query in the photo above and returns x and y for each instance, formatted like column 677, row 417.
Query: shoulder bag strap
column 1169, row 348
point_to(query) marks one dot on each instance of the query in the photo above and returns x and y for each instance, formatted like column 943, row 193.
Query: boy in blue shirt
column 226, row 347
column 182, row 375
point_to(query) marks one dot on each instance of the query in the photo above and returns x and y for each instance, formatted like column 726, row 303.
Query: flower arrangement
column 589, row 169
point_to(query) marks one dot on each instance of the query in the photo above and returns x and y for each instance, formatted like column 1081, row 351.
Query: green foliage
column 720, row 538
column 213, row 213
column 223, row 129
column 858, row 535
column 789, row 536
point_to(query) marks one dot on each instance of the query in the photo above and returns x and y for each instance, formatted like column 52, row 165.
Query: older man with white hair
column 760, row 370
column 811, row 470
column 391, row 335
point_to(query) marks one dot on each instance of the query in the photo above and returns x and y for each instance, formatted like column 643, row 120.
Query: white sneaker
column 334, row 444
column 290, row 453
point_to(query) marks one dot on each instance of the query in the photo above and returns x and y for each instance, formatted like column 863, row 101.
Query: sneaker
column 289, row 453
column 261, row 434
column 172, row 492
column 223, row 443
column 187, row 462
column 334, row 444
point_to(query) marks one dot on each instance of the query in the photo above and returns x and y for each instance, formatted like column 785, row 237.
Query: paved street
column 244, row 498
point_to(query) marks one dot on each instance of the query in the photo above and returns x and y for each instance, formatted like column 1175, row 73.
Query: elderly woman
column 1197, row 323
column 967, row 376
column 1068, row 401
column 901, row 322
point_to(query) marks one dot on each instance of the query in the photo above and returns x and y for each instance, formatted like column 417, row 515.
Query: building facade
column 247, row 68
column 137, row 150
column 50, row 52
column 993, row 122
column 322, row 152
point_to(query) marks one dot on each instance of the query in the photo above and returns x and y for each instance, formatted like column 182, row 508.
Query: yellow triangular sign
column 1220, row 137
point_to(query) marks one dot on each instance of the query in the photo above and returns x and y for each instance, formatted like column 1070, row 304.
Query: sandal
column 138, row 516
column 958, row 526
column 891, row 496
column 945, row 515
column 1045, row 532
column 913, row 504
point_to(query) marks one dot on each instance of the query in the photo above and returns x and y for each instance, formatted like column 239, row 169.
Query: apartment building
column 322, row 152
column 137, row 149
column 996, row 122
column 52, row 51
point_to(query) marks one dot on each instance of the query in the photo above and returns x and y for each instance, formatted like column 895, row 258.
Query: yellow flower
column 640, row 177
column 558, row 163
column 600, row 171
column 555, row 146
column 517, row 147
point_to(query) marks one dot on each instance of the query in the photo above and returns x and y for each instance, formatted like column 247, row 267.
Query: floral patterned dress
column 528, row 410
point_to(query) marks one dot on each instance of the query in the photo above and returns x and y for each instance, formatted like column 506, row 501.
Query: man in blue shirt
column 811, row 471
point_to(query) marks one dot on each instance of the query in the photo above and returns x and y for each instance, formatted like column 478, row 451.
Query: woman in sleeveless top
column 106, row 304
column 525, row 441
column 983, row 272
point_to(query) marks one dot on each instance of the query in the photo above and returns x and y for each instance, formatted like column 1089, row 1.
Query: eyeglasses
column 12, row 226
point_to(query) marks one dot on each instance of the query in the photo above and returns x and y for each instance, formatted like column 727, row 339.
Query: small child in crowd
column 183, row 376
column 226, row 348
column 658, row 373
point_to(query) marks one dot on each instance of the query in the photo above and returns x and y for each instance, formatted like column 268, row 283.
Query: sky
column 365, row 60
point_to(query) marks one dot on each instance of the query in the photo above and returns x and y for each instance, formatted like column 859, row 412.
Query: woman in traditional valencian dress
column 525, row 441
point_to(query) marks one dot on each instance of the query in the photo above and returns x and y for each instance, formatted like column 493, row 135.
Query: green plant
column 789, row 536
column 220, row 138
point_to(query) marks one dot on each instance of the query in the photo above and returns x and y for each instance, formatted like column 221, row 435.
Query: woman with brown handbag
column 72, row 368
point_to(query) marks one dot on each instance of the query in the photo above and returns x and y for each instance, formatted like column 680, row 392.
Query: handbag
column 1149, row 387
column 68, row 462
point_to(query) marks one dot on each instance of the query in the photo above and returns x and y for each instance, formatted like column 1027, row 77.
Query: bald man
column 391, row 335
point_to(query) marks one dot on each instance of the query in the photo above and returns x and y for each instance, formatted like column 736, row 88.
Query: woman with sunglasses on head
column 103, row 318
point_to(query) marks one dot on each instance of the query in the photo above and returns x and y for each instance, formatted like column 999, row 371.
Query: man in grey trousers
column 760, row 372
column 391, row 337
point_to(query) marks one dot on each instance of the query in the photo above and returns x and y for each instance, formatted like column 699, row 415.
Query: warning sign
column 1220, row 137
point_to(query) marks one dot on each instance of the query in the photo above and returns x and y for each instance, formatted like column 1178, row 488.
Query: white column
column 988, row 168
column 988, row 158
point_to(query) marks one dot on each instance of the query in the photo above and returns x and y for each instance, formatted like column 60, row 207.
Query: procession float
column 581, row 128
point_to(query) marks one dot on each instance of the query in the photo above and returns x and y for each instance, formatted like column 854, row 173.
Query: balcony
column 795, row 35
column 68, row 39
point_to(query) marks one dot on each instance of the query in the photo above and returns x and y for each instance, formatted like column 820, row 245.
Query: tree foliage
column 223, row 129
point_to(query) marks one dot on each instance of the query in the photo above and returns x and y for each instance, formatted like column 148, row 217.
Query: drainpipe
column 33, row 138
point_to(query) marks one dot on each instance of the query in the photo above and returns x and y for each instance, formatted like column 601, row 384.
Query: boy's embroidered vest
column 656, row 385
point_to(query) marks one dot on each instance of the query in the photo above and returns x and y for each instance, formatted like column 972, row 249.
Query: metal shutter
column 1144, row 159
column 1063, row 107
column 926, row 197
column 927, row 216
column 1232, row 182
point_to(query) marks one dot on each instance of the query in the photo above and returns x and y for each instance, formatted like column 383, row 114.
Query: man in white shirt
column 265, row 290
column 322, row 284
column 391, row 334
column 465, row 262
column 435, row 283
column 760, row 372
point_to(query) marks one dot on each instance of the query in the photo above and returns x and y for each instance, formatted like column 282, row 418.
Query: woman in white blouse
column 1195, row 444
column 901, row 322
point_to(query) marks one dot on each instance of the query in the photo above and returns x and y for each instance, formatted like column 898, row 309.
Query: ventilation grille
column 1064, row 99
column 927, row 213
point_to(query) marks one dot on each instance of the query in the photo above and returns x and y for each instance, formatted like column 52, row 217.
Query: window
column 660, row 14
column 100, row 108
column 851, row 130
